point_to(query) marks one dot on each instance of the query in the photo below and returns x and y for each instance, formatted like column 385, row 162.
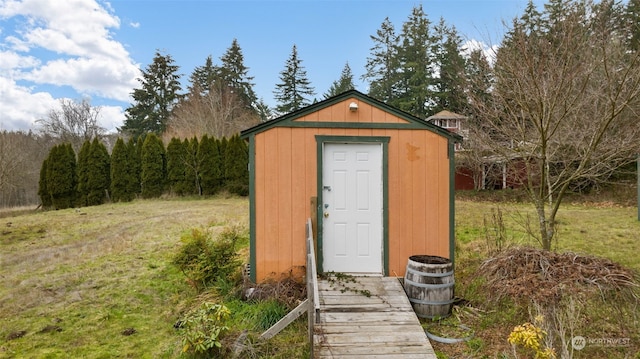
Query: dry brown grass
column 529, row 274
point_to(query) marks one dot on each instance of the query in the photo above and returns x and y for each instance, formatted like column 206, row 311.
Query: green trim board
column 368, row 125
column 384, row 141
column 288, row 120
column 252, row 209
column 452, row 203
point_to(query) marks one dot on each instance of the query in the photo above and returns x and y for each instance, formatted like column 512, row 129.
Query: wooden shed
column 382, row 180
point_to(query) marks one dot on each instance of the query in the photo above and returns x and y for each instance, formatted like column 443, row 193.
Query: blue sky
column 90, row 48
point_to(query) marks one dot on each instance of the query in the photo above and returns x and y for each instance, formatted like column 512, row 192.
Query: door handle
column 326, row 214
column 328, row 188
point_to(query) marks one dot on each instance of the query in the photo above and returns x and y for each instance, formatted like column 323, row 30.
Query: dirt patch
column 50, row 328
column 128, row 331
column 526, row 274
column 16, row 335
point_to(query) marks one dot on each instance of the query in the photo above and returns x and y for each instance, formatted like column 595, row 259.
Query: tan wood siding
column 286, row 178
column 340, row 113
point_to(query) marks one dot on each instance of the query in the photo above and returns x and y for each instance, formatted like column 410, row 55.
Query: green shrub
column 204, row 261
column 203, row 328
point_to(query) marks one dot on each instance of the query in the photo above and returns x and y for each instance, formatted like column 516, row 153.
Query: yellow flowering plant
column 531, row 337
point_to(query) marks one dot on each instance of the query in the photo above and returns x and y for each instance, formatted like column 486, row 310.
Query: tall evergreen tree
column 294, row 90
column 344, row 83
column 122, row 173
column 479, row 77
column 153, row 167
column 221, row 100
column 416, row 65
column 155, row 100
column 202, row 77
column 632, row 25
column 531, row 20
column 61, row 176
column 235, row 75
column 382, row 64
column 83, row 173
column 450, row 84
column 99, row 173
column 264, row 111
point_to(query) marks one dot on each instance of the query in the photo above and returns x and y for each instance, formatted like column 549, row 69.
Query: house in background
column 474, row 171
column 381, row 182
column 453, row 122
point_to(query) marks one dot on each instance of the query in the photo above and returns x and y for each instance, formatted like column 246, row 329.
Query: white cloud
column 98, row 76
column 20, row 108
column 111, row 117
column 10, row 60
column 62, row 43
column 488, row 51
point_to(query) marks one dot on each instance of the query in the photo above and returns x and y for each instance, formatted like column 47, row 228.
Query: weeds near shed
column 495, row 231
column 205, row 261
column 341, row 279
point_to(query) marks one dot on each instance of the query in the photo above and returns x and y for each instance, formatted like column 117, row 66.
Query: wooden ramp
column 355, row 325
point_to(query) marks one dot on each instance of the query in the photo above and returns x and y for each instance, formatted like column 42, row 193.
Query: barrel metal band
column 418, row 301
column 433, row 286
column 425, row 274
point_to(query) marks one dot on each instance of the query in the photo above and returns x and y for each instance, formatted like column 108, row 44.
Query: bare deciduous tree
column 21, row 155
column 563, row 107
column 75, row 122
column 217, row 113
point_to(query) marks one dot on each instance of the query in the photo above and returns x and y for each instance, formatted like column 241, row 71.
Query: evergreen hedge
column 153, row 167
column 191, row 166
column 61, row 176
column 99, row 173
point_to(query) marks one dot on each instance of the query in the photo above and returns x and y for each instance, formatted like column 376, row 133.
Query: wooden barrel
column 429, row 282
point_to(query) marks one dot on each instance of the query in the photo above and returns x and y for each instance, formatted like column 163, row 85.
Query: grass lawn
column 602, row 230
column 608, row 231
column 97, row 282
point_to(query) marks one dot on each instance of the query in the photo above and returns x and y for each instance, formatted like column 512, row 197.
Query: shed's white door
column 352, row 208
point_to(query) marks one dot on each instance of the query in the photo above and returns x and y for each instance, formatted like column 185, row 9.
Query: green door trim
column 384, row 141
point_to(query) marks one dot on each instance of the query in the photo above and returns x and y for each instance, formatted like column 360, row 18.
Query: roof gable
column 334, row 112
column 446, row 115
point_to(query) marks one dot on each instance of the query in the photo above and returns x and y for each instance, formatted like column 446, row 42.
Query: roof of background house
column 445, row 115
